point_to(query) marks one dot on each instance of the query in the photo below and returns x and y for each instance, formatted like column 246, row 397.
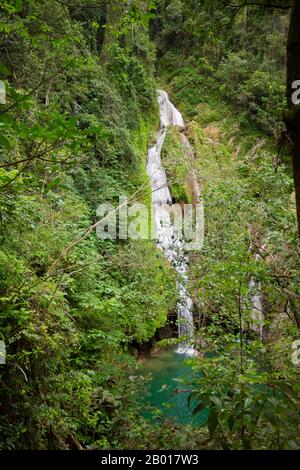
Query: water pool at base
column 166, row 370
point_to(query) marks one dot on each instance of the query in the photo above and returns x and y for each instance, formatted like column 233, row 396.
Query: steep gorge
column 79, row 115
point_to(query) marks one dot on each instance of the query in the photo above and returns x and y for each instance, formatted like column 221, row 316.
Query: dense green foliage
column 74, row 135
column 231, row 86
column 238, row 55
column 80, row 112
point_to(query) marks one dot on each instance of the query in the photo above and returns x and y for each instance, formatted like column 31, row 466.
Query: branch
column 20, row 368
column 24, row 97
column 87, row 232
column 134, row 198
column 17, row 175
column 270, row 5
column 5, row 165
column 74, row 5
column 33, row 90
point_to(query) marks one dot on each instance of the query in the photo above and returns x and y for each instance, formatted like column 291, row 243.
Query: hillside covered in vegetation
column 78, row 314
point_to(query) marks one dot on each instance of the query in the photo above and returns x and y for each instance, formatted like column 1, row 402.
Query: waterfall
column 257, row 309
column 257, row 313
column 166, row 234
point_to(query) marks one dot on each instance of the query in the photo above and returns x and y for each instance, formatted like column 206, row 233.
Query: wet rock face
column 146, row 349
column 167, row 332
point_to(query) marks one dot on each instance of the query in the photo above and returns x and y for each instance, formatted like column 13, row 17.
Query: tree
column 292, row 116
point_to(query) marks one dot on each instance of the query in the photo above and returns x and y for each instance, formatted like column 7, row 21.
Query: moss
column 175, row 158
column 69, row 316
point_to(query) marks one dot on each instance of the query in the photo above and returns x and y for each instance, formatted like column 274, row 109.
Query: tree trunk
column 293, row 114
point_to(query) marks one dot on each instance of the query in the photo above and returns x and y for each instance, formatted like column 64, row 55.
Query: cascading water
column 257, row 312
column 167, row 239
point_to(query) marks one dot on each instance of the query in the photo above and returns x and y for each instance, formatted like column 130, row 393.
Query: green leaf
column 200, row 407
column 19, row 5
column 230, row 422
column 4, row 142
column 216, row 401
column 54, row 183
column 212, row 421
column 248, row 402
column 3, row 70
column 191, row 396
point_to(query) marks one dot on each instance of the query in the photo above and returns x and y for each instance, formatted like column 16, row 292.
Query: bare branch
column 260, row 4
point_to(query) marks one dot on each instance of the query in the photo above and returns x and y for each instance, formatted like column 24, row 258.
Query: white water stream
column 167, row 237
column 167, row 240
